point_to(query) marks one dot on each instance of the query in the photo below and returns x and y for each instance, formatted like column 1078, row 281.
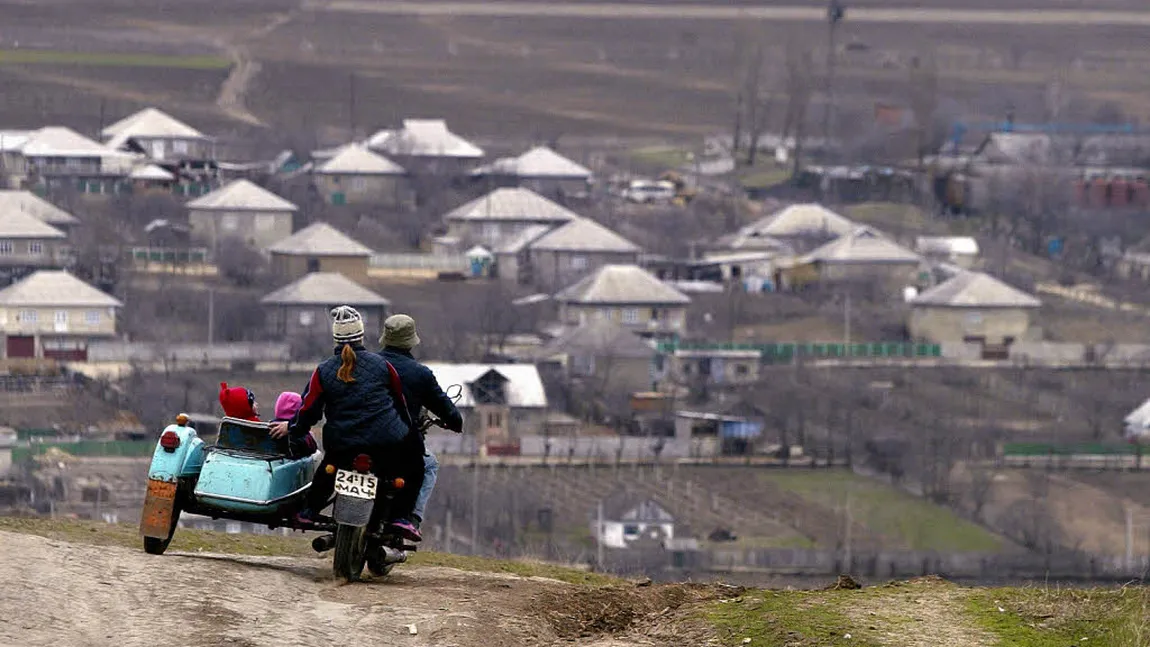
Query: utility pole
column 599, row 535
column 211, row 316
column 848, row 556
column 847, row 324
column 836, row 11
column 475, row 503
column 1129, row 537
column 447, row 538
column 351, row 105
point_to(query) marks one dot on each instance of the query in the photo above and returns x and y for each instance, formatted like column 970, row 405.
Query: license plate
column 361, row 486
column 159, row 502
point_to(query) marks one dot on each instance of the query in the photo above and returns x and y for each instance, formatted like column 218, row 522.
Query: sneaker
column 406, row 529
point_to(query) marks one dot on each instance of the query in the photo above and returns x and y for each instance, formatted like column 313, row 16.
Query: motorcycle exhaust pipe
column 393, row 556
column 323, row 543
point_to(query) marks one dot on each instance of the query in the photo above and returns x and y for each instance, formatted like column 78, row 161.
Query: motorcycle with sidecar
column 247, row 475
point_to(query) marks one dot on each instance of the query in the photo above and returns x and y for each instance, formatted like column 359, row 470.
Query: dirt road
column 888, row 15
column 70, row 595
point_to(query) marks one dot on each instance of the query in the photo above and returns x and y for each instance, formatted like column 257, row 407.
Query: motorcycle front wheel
column 350, row 552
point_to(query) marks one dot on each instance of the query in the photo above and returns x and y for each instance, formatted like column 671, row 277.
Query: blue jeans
column 430, row 472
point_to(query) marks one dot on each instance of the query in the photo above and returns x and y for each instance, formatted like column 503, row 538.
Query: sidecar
column 246, row 475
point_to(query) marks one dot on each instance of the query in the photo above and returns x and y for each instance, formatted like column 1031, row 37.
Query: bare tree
column 799, row 86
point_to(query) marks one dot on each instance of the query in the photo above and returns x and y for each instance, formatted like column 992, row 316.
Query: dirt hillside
column 62, row 594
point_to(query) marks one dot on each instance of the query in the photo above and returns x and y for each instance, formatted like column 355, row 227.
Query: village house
column 730, row 428
column 52, row 314
column 800, row 227
column 58, row 158
column 705, row 366
column 626, row 522
column 627, row 295
column 33, row 205
column 501, row 215
column 956, row 250
column 973, row 307
column 319, row 247
column 564, row 254
column 864, row 254
column 606, row 358
column 300, row 311
column 540, row 169
column 243, row 211
column 356, row 175
column 28, row 244
column 161, row 137
column 500, row 402
column 427, row 145
column 150, row 179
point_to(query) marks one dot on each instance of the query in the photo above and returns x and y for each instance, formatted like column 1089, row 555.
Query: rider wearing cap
column 420, row 390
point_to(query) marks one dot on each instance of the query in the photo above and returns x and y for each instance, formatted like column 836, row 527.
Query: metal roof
column 809, row 219
column 515, row 204
column 55, row 288
column 975, row 290
column 524, row 386
column 324, row 288
column 149, row 123
column 521, row 240
column 864, row 245
column 603, row 338
column 355, row 159
column 150, row 172
column 58, row 141
column 16, row 224
column 540, row 162
column 35, row 206
column 319, row 239
column 424, row 138
column 583, row 235
column 623, row 285
column 241, row 195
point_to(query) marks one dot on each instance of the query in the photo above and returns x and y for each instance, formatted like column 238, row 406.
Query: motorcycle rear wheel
column 156, row 546
column 350, row 552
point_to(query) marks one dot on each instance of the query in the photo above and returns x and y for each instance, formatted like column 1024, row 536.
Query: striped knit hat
column 346, row 325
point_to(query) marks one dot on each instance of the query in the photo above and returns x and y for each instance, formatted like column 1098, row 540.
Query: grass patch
column 896, row 218
column 791, row 618
column 762, row 177
column 295, row 545
column 660, row 157
column 111, row 59
column 1033, row 617
column 908, row 520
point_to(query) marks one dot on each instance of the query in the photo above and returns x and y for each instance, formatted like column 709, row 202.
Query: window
column 490, row 230
column 630, row 315
column 579, row 262
column 27, row 316
column 307, row 318
column 265, row 222
column 494, row 419
column 92, row 317
column 180, row 147
column 631, row 530
column 61, row 317
column 741, row 370
column 229, row 222
column 5, row 248
column 35, row 248
column 358, row 184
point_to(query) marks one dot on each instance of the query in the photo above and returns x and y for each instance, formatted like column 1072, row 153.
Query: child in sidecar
column 240, row 403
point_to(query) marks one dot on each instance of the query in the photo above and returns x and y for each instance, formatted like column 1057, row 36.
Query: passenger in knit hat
column 287, row 404
column 346, row 325
column 399, row 332
column 239, row 402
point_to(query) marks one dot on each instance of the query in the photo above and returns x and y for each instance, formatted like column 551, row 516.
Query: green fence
column 1069, row 449
column 168, row 255
column 786, row 352
column 90, row 448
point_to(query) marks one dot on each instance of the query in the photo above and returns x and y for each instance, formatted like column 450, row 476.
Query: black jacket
column 421, row 389
column 360, row 414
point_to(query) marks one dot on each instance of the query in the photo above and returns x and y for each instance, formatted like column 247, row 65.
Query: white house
column 499, row 402
column 1137, row 423
column 623, row 526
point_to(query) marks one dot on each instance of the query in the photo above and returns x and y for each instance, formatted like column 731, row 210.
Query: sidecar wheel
column 154, row 546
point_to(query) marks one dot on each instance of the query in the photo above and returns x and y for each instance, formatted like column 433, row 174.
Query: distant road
column 500, row 9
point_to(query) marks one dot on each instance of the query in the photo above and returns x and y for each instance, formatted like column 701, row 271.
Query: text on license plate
column 354, row 484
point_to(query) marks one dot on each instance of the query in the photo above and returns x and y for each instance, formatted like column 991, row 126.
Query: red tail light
column 362, row 463
column 398, row 483
column 170, row 440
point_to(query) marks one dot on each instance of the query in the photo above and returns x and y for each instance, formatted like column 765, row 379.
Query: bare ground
column 122, row 596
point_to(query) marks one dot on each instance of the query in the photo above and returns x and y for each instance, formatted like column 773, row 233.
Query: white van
column 647, row 191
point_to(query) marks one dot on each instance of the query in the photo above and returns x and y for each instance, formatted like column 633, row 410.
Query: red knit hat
column 238, row 402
